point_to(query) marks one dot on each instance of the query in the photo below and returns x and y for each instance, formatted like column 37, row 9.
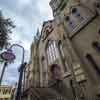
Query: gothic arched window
column 44, row 71
column 65, row 62
column 77, row 14
column 93, row 62
column 97, row 5
column 61, row 49
column 71, row 22
column 56, row 72
column 96, row 45
column 52, row 51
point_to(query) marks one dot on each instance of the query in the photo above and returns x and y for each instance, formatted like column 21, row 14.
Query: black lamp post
column 9, row 56
column 21, row 69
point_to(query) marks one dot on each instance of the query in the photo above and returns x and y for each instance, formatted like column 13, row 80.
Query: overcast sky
column 27, row 15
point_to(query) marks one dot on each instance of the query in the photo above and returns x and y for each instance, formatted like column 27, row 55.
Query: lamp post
column 21, row 69
column 22, row 50
column 9, row 56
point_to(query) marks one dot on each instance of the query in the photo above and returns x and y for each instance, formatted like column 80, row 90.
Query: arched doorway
column 55, row 72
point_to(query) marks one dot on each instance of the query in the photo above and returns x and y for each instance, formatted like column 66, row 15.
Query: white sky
column 27, row 15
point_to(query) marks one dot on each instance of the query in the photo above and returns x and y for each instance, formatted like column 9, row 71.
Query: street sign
column 5, row 92
column 8, row 56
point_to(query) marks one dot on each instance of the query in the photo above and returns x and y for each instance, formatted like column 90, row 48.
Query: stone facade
column 31, row 74
column 51, row 48
column 65, row 54
column 55, row 48
column 80, row 20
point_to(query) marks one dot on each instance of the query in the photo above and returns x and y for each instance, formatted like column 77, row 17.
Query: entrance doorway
column 55, row 72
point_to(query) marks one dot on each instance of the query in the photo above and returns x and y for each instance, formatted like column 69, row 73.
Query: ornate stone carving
column 47, row 29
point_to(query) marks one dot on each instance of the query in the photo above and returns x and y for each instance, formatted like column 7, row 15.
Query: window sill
column 66, row 74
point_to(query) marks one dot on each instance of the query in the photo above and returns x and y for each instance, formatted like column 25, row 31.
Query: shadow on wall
column 62, row 89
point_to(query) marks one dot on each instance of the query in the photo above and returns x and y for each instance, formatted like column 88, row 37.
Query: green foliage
column 1, row 61
column 5, row 29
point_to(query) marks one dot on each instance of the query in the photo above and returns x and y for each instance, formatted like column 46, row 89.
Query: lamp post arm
column 23, row 56
column 21, row 69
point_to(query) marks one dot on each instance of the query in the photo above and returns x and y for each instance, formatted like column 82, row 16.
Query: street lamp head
column 8, row 55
